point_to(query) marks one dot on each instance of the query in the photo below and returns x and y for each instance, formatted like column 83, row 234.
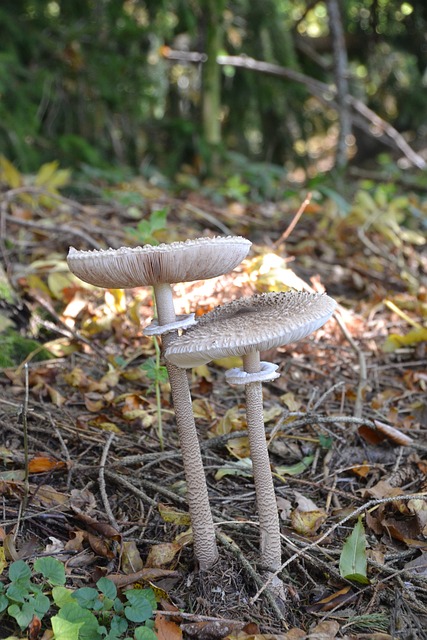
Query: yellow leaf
column 57, row 282
column 52, row 178
column 203, row 410
column 169, row 514
column 233, row 420
column 10, row 174
column 290, row 401
column 239, row 447
column 116, row 300
column 229, row 362
column 395, row 341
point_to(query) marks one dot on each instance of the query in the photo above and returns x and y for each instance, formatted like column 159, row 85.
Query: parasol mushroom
column 245, row 327
column 160, row 266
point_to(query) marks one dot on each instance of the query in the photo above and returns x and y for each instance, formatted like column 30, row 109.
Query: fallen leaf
column 239, row 468
column 307, row 517
column 166, row 629
column 162, row 554
column 295, row 469
column 395, row 341
column 326, row 630
column 239, row 447
column 41, row 464
column 170, row 514
column 131, row 560
column 337, row 599
column 353, row 561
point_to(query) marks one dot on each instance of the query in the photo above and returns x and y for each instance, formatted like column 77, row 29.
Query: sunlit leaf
column 353, row 562
column 10, row 174
column 395, row 341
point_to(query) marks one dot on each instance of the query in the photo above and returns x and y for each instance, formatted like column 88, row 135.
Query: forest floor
column 346, row 421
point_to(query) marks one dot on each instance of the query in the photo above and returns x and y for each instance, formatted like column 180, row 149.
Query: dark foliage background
column 89, row 82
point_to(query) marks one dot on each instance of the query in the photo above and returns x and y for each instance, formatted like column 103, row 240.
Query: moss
column 14, row 348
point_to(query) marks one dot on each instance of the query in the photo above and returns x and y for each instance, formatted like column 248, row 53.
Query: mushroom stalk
column 205, row 548
column 270, row 544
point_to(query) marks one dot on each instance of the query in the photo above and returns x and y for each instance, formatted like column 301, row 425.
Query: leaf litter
column 346, row 421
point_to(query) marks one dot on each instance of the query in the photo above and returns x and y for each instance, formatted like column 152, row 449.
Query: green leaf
column 41, row 604
column 23, row 615
column 86, row 597
column 17, row 592
column 142, row 604
column 73, row 612
column 353, row 562
column 62, row 595
column 295, row 469
column 64, row 629
column 51, row 569
column 107, row 587
column 19, row 570
column 3, row 603
column 144, row 633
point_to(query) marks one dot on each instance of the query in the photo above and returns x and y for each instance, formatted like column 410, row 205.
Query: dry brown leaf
column 326, row 630
column 339, row 598
column 131, row 560
column 41, row 464
column 306, row 518
column 145, row 575
column 162, row 554
column 166, row 629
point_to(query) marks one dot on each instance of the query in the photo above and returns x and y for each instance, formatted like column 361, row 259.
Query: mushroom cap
column 187, row 261
column 258, row 323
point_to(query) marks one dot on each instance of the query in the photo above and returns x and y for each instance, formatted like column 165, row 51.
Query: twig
column 368, row 506
column 55, row 229
column 363, row 377
column 101, row 480
column 131, row 487
column 324, row 92
column 248, row 567
column 287, row 232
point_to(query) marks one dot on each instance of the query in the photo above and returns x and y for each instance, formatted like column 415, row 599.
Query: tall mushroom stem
column 264, row 487
column 205, row 548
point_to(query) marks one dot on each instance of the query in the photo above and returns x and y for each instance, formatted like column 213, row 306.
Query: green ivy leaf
column 19, row 570
column 23, row 615
column 86, row 597
column 142, row 604
column 51, row 569
column 41, row 604
column 144, row 633
column 73, row 612
column 64, row 629
column 353, row 562
column 62, row 595
column 107, row 587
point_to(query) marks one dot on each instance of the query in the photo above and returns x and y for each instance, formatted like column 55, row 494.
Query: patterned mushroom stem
column 205, row 548
column 270, row 545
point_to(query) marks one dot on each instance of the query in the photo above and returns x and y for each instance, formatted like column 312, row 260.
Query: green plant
column 83, row 614
column 146, row 229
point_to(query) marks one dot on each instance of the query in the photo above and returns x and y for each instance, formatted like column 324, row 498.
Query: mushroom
column 160, row 266
column 245, row 327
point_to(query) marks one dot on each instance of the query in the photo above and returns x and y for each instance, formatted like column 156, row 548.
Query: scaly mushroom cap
column 187, row 261
column 258, row 323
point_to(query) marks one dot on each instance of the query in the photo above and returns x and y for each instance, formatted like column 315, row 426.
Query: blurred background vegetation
column 133, row 83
